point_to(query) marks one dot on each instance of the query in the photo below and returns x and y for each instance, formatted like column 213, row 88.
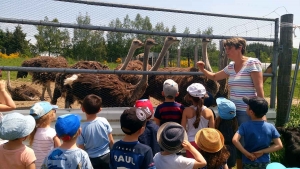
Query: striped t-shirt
column 240, row 83
column 42, row 144
column 169, row 112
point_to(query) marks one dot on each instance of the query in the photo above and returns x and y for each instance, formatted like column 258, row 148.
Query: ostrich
column 135, row 44
column 114, row 91
column 61, row 90
column 43, row 78
column 23, row 92
column 205, row 55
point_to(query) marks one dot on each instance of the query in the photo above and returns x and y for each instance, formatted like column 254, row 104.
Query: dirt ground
column 60, row 101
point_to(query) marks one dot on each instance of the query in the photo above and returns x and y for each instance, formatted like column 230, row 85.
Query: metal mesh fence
column 103, row 32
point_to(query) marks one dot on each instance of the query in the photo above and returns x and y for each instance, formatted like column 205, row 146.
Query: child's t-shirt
column 173, row 161
column 17, row 159
column 67, row 159
column 94, row 137
column 169, row 112
column 133, row 155
column 257, row 135
column 42, row 144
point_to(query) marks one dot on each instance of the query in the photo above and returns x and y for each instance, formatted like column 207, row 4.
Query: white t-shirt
column 173, row 161
column 42, row 144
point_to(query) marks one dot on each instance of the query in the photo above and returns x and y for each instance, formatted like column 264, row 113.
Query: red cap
column 144, row 103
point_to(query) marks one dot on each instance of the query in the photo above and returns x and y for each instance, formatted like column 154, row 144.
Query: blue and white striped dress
column 240, row 83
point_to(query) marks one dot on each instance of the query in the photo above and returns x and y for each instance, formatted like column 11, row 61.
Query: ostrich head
column 135, row 44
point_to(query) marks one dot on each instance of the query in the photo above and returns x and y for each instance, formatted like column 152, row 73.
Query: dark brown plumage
column 64, row 90
column 43, row 78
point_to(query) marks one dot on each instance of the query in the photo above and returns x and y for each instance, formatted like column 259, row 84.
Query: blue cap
column 276, row 165
column 226, row 108
column 67, row 125
column 15, row 125
column 40, row 109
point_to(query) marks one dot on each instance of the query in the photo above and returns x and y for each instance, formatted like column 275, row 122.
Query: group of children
column 209, row 143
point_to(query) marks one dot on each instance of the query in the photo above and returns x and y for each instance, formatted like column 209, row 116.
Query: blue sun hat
column 40, row 109
column 15, row 125
column 226, row 108
column 276, row 165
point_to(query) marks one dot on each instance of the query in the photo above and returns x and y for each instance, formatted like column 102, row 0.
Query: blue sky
column 67, row 13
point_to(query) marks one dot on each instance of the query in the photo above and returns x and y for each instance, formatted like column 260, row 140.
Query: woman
column 245, row 77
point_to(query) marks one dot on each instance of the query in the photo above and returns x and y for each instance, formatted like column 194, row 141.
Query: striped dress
column 42, row 144
column 240, row 83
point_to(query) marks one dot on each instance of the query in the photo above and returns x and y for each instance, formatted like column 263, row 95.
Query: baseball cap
column 40, row 109
column 145, row 103
column 170, row 88
column 226, row 108
column 196, row 90
column 15, row 125
column 67, row 126
column 276, row 165
column 133, row 119
column 257, row 104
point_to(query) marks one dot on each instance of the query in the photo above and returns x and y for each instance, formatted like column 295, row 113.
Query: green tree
column 50, row 39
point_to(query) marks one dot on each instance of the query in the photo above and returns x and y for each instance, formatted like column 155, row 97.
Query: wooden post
column 196, row 56
column 284, row 72
column 178, row 57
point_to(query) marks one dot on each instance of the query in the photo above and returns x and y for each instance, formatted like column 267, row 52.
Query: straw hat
column 210, row 140
column 170, row 136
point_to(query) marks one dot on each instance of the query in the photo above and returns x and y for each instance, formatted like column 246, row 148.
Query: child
column 169, row 110
column 149, row 137
column 227, row 124
column 172, row 138
column 43, row 138
column 96, row 136
column 15, row 128
column 197, row 116
column 257, row 134
column 128, row 152
column 211, row 144
column 6, row 102
column 68, row 155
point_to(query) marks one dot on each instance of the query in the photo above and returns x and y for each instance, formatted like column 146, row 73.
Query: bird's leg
column 49, row 90
column 43, row 93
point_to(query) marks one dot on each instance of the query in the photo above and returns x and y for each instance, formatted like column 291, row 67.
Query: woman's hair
column 236, row 42
column 233, row 123
column 216, row 160
column 200, row 103
column 41, row 122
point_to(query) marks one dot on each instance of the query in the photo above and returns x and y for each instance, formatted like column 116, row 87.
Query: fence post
column 178, row 57
column 196, row 55
column 284, row 72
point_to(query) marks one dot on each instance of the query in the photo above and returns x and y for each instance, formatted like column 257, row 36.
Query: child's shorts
column 255, row 166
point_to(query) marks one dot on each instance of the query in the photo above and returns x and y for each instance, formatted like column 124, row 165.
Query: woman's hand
column 201, row 65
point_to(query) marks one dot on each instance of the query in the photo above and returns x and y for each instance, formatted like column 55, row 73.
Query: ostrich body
column 113, row 90
column 23, row 92
column 61, row 90
column 43, row 78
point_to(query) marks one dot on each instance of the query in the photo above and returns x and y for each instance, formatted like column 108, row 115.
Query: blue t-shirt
column 257, row 136
column 94, row 137
column 131, row 155
column 67, row 159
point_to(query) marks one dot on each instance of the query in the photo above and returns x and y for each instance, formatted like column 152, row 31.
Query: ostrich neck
column 205, row 56
column 141, row 86
column 160, row 57
column 128, row 58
